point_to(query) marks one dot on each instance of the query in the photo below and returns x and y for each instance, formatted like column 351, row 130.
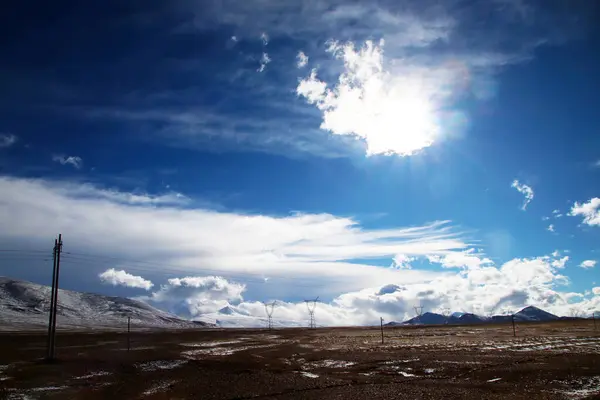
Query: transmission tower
column 269, row 308
column 311, row 305
column 419, row 311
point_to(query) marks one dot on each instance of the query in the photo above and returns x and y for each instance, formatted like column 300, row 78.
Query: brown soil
column 549, row 361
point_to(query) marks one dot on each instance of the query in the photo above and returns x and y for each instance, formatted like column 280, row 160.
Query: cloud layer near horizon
column 177, row 237
column 477, row 288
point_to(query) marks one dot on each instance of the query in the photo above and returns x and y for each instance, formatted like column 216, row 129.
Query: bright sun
column 393, row 114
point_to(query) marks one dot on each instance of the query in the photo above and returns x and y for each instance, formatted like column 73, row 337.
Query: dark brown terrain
column 559, row 360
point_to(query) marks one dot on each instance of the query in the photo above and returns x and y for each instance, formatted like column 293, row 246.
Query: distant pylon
column 311, row 305
column 269, row 308
column 418, row 310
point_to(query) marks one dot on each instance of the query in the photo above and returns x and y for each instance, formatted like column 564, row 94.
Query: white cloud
column 596, row 291
column 7, row 140
column 265, row 38
column 588, row 264
column 318, row 248
column 525, row 190
column 394, row 110
column 264, row 60
column 465, row 259
column 75, row 161
column 590, row 211
column 482, row 289
column 301, row 60
column 557, row 213
column 122, row 278
column 550, row 228
column 596, row 164
column 192, row 296
column 402, row 261
column 234, row 38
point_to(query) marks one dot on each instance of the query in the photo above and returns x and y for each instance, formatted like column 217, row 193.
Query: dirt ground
column 547, row 361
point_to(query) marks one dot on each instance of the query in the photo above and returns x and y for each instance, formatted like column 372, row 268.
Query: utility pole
column 269, row 308
column 512, row 317
column 50, row 314
column 381, row 320
column 128, row 333
column 55, row 305
column 312, row 305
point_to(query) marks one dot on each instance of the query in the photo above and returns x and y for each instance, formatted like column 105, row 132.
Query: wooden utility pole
column 512, row 317
column 55, row 297
column 381, row 320
column 128, row 333
column 50, row 314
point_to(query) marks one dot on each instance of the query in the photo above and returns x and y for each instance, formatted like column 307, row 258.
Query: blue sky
column 269, row 150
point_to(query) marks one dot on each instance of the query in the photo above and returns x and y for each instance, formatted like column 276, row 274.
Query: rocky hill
column 25, row 305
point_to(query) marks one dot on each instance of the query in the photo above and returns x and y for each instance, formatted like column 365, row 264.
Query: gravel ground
column 548, row 361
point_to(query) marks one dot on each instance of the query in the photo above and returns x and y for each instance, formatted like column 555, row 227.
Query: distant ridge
column 25, row 305
column 530, row 313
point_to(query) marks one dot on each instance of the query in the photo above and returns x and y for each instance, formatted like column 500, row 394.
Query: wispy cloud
column 432, row 55
column 7, row 140
column 74, row 161
column 301, row 59
column 590, row 211
column 265, row 38
column 587, row 264
column 121, row 278
column 550, row 228
column 596, row 164
column 264, row 60
column 525, row 190
column 313, row 246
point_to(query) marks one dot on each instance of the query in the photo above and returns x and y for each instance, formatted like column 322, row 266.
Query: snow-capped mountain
column 232, row 317
column 25, row 305
column 530, row 313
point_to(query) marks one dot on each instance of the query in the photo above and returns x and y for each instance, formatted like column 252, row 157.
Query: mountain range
column 25, row 305
column 530, row 313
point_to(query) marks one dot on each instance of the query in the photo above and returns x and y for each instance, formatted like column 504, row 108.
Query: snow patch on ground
column 308, row 374
column 393, row 362
column 211, row 344
column 47, row 388
column 93, row 374
column 332, row 364
column 406, row 374
column 429, row 370
column 494, row 380
column 587, row 387
column 161, row 387
column 160, row 364
column 221, row 351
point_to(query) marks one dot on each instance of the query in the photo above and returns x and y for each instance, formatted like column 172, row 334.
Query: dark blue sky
column 401, row 114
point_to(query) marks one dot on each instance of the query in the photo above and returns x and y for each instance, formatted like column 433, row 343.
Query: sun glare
column 394, row 113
